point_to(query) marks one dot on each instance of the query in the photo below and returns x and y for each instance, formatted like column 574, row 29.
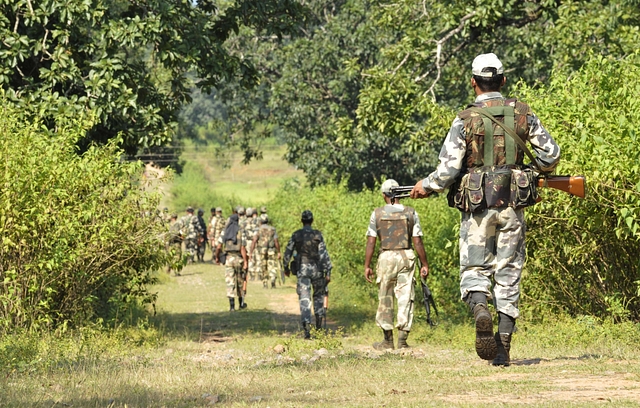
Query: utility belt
column 493, row 187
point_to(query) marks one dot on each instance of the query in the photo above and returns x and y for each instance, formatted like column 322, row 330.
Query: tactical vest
column 307, row 243
column 394, row 226
column 266, row 236
column 229, row 246
column 492, row 156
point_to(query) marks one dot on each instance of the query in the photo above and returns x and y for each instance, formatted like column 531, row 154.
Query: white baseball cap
column 483, row 61
column 386, row 186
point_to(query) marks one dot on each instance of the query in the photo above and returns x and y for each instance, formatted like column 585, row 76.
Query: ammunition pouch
column 494, row 187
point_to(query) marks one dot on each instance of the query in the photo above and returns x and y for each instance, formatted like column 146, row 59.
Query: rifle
column 574, row 185
column 281, row 272
column 427, row 299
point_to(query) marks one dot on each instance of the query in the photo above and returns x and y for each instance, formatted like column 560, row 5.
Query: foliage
column 79, row 233
column 343, row 217
column 583, row 254
column 369, row 90
column 127, row 61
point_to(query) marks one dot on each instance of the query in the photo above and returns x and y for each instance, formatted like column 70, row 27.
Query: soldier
column 202, row 235
column 189, row 225
column 266, row 239
column 398, row 228
column 217, row 227
column 313, row 268
column 263, row 211
column 211, row 234
column 174, row 245
column 483, row 163
column 251, row 229
column 235, row 262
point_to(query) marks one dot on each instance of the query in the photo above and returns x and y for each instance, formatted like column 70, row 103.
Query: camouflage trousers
column 234, row 275
column 492, row 245
column 269, row 266
column 191, row 246
column 310, row 278
column 254, row 265
column 394, row 272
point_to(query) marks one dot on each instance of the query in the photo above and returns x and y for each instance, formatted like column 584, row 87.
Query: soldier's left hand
column 328, row 279
column 418, row 191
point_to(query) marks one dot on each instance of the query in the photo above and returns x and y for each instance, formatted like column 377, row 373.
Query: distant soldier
column 174, row 245
column 266, row 241
column 202, row 235
column 235, row 261
column 211, row 235
column 398, row 228
column 166, row 217
column 313, row 268
column 251, row 229
column 263, row 211
column 218, row 227
column 189, row 224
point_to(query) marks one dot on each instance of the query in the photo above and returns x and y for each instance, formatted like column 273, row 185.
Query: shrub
column 79, row 233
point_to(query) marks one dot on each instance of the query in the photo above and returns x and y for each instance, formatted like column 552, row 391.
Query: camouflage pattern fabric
column 189, row 232
column 492, row 245
column 269, row 266
column 218, row 228
column 254, row 259
column 395, row 270
column 393, row 226
column 454, row 149
column 314, row 279
column 234, row 275
column 296, row 244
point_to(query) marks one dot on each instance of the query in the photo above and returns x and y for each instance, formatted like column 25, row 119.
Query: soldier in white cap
column 399, row 231
column 482, row 163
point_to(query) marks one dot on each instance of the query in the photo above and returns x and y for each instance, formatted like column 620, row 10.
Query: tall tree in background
column 127, row 61
column 369, row 89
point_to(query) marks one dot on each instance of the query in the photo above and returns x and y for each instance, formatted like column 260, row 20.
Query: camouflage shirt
column 454, row 150
column 372, row 231
column 296, row 243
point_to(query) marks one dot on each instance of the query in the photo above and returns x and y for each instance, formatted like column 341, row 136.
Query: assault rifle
column 427, row 299
column 325, row 305
column 574, row 185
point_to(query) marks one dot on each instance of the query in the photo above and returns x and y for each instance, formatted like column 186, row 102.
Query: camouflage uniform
column 491, row 240
column 189, row 231
column 174, row 245
column 216, row 226
column 395, row 225
column 267, row 251
column 201, row 236
column 315, row 268
column 234, row 274
column 254, row 258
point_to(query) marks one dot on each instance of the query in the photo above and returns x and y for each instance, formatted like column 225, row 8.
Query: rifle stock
column 574, row 185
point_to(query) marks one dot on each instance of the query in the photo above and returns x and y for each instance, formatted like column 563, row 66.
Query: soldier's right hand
column 418, row 191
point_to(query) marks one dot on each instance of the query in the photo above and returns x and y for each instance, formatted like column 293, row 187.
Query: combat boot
column 402, row 339
column 503, row 340
column 387, row 343
column 486, row 346
column 242, row 304
column 307, row 330
column 232, row 305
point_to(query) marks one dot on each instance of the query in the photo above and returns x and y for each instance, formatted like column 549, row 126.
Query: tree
column 127, row 61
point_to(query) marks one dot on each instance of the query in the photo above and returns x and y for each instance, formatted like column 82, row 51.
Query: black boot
column 503, row 340
column 242, row 304
column 387, row 343
column 307, row 330
column 318, row 322
column 402, row 339
column 232, row 304
column 486, row 347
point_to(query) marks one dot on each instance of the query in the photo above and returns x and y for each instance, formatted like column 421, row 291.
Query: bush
column 583, row 254
column 79, row 233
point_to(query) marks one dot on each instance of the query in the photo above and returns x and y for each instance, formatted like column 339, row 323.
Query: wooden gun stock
column 574, row 185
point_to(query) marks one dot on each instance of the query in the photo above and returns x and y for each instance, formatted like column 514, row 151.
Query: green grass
column 210, row 180
column 194, row 351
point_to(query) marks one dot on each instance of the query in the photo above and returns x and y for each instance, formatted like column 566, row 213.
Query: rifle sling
column 508, row 131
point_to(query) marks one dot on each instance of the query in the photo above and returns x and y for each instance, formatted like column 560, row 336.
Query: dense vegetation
column 80, row 234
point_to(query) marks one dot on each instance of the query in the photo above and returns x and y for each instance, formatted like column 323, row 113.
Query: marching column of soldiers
column 247, row 245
